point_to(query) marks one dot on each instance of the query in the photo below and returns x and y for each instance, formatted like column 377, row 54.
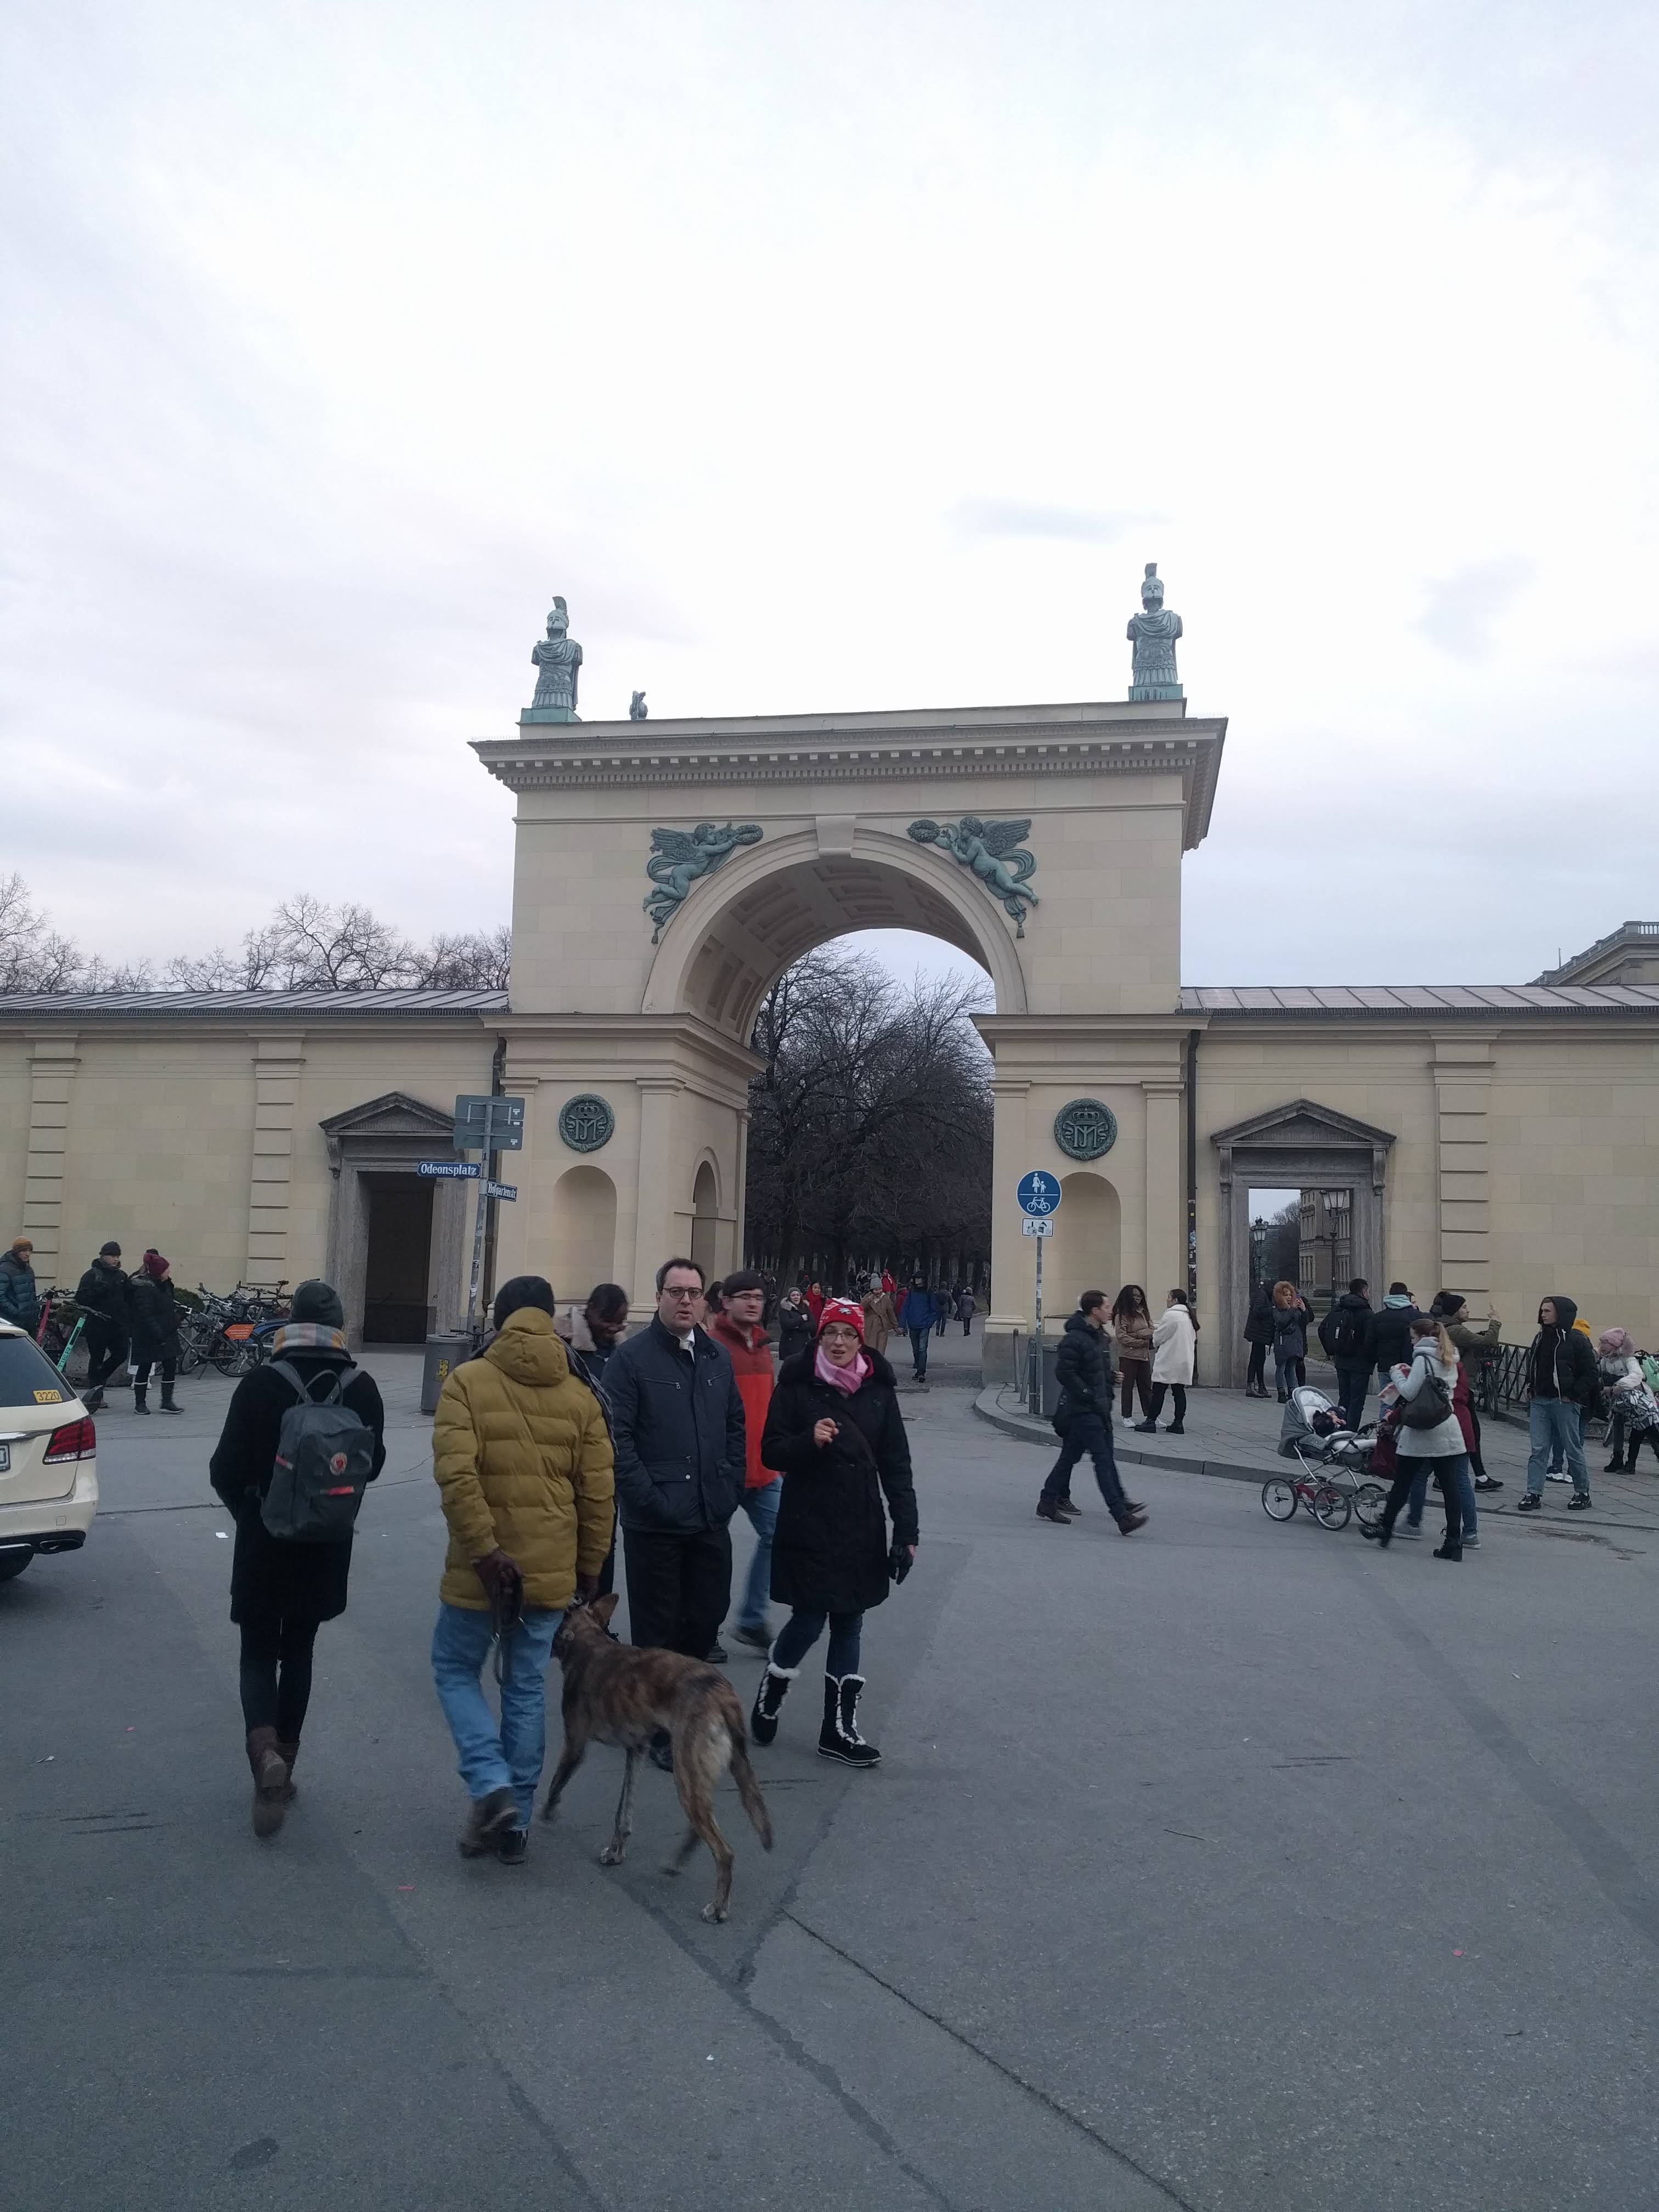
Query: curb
column 1031, row 1431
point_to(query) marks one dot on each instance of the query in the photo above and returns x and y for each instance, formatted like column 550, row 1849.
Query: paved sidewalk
column 1235, row 1437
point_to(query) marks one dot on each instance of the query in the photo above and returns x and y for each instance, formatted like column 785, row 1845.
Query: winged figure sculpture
column 989, row 849
column 679, row 858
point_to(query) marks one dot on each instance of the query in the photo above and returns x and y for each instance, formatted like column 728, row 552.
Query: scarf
column 844, row 1379
column 306, row 1336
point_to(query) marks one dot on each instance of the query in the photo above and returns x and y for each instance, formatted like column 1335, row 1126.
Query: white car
column 48, row 1457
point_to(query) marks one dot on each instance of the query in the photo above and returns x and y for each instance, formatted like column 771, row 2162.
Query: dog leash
column 503, row 1619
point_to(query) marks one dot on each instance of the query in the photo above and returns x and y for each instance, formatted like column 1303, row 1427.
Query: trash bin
column 442, row 1353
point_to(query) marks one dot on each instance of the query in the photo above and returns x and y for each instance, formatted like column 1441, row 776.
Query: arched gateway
column 667, row 872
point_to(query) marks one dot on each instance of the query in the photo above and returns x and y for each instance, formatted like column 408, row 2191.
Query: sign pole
column 1036, row 1372
column 477, row 1260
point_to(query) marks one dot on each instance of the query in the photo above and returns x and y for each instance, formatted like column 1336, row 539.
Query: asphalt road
column 1231, row 1867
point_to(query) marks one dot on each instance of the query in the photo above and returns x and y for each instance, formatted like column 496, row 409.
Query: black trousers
column 1256, row 1376
column 679, row 1586
column 1136, row 1376
column 1088, row 1432
column 276, row 1673
column 106, row 1347
column 1178, row 1392
column 1399, row 1490
column 1352, row 1378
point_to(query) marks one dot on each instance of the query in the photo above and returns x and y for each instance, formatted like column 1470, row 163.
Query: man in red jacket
column 738, row 1327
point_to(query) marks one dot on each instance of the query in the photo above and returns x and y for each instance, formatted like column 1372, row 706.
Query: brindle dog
column 614, row 1693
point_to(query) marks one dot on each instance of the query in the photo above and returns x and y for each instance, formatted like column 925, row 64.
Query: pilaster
column 1166, row 1266
column 278, row 1065
column 657, row 1233
column 1463, row 1070
column 52, row 1063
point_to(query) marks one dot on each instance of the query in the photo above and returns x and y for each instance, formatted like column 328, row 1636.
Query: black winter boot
column 139, row 1391
column 167, row 1405
column 839, row 1737
column 768, row 1701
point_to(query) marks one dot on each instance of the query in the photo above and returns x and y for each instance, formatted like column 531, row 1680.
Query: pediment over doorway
column 383, row 1121
column 1303, row 1122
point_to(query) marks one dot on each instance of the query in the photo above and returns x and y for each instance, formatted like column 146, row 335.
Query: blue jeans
column 1419, row 1492
column 1555, row 1422
column 761, row 1507
column 491, row 1758
column 918, row 1345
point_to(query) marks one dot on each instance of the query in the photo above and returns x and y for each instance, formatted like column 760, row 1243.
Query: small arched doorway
column 705, row 1219
column 584, row 1232
column 1085, row 1252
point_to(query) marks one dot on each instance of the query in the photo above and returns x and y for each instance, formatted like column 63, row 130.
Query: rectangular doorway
column 398, row 1267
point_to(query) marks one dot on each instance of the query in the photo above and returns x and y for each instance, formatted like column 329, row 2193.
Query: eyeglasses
column 674, row 1291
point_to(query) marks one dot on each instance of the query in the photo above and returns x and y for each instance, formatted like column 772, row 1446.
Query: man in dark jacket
column 677, row 1424
column 1389, row 1339
column 1562, row 1378
column 1083, row 1368
column 1345, row 1334
column 20, row 1300
column 105, row 1296
column 920, row 1313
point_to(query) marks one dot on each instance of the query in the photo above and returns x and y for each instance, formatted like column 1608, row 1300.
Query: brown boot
column 288, row 1752
column 270, row 1781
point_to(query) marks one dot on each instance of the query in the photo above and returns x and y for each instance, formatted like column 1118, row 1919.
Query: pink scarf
column 844, row 1379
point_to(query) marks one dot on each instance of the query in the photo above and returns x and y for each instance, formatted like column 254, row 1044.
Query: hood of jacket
column 731, row 1332
column 1079, row 1320
column 1399, row 1299
column 15, row 1264
column 572, row 1326
column 1355, row 1302
column 528, row 1349
column 1567, row 1311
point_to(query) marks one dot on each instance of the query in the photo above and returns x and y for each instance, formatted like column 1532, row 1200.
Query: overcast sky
column 842, row 356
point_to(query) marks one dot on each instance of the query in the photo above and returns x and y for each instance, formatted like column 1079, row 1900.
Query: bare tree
column 33, row 955
column 870, row 1135
column 478, row 960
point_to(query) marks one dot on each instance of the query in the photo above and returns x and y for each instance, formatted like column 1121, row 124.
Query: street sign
column 500, row 1190
column 484, row 1123
column 1039, row 1193
column 449, row 1170
column 1034, row 1225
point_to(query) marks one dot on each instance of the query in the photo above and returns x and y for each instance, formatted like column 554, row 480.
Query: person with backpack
column 1343, row 1332
column 521, row 1456
column 283, row 1587
column 591, row 1334
column 918, row 1313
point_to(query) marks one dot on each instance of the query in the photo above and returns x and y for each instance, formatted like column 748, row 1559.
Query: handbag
column 1640, row 1409
column 1432, row 1406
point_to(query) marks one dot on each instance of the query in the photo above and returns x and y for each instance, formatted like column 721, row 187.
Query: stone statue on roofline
column 557, row 659
column 1154, row 633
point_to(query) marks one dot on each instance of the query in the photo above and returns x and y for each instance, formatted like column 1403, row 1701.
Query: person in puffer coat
column 835, row 1432
column 522, row 1459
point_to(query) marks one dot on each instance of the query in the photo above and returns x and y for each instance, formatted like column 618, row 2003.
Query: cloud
column 1465, row 607
column 1014, row 518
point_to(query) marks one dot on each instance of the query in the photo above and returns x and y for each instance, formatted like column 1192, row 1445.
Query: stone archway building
column 1495, row 1138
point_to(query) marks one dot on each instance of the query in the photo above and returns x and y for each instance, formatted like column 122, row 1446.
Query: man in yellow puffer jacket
column 522, row 1458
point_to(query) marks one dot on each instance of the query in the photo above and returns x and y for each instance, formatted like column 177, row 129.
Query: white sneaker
column 1471, row 1543
column 1404, row 1529
column 1558, row 1477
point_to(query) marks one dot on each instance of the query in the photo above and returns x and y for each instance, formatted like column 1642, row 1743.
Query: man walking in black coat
column 677, row 1424
column 1083, row 1368
column 1346, row 1334
column 105, row 1296
column 1389, row 1333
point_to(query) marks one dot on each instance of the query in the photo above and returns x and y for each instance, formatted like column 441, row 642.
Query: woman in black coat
column 834, row 1433
column 281, row 1592
column 795, row 1325
column 154, row 1309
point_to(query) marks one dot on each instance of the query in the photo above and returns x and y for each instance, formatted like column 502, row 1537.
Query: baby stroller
column 1315, row 1434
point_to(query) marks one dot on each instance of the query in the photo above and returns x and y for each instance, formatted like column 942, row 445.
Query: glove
column 587, row 1588
column 503, row 1583
column 899, row 1561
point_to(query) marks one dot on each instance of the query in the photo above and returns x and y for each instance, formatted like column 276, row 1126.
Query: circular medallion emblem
column 1085, row 1129
column 587, row 1122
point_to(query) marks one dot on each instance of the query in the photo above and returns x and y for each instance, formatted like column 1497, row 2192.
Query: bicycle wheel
column 1278, row 1497
column 1330, row 1507
column 225, row 1353
column 189, row 1352
column 1368, row 1503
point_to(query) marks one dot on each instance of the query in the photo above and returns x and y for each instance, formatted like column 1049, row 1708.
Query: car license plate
column 5, row 1459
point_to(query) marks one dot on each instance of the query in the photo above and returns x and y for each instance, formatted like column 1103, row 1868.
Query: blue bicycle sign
column 1038, row 1193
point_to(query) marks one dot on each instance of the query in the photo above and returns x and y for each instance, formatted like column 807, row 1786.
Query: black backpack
column 324, row 1458
column 1348, row 1337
